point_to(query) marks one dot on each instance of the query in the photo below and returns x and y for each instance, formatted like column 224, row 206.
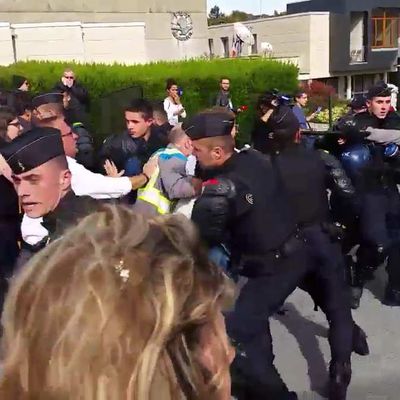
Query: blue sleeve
column 299, row 113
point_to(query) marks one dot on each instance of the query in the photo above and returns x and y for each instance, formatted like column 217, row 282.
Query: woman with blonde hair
column 120, row 308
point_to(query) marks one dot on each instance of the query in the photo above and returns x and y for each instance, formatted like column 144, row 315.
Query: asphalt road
column 302, row 350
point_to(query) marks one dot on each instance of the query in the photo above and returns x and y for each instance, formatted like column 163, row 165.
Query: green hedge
column 198, row 78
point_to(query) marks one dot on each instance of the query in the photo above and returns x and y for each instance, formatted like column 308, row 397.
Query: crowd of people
column 150, row 269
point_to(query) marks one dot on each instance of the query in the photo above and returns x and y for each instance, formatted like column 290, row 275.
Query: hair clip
column 123, row 272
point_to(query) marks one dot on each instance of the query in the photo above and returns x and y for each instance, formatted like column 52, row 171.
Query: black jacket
column 8, row 197
column 254, row 213
column 77, row 92
column 68, row 213
column 282, row 121
column 223, row 99
column 365, row 120
column 79, row 103
column 85, row 146
column 379, row 172
column 10, row 222
column 306, row 175
column 121, row 147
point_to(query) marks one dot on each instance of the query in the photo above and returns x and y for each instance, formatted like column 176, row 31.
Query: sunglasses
column 69, row 77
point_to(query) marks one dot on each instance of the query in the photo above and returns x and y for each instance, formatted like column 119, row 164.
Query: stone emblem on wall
column 182, row 26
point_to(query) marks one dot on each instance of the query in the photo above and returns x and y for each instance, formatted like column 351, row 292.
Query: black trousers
column 380, row 225
column 318, row 268
column 327, row 286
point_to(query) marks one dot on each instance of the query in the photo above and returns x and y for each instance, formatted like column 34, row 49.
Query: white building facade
column 128, row 32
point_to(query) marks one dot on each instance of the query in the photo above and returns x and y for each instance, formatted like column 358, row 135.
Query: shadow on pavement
column 306, row 332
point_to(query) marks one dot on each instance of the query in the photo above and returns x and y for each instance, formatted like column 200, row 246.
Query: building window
column 358, row 36
column 211, row 46
column 254, row 47
column 225, row 46
column 386, row 29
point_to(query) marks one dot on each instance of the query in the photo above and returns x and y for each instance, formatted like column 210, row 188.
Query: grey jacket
column 384, row 136
column 172, row 181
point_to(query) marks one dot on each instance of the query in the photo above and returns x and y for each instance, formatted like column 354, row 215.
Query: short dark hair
column 142, row 106
column 60, row 162
column 299, row 93
column 224, row 78
column 171, row 82
column 226, row 142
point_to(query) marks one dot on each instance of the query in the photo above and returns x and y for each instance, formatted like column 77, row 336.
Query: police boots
column 358, row 275
column 339, row 380
column 360, row 343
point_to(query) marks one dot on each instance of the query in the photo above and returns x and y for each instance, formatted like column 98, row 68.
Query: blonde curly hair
column 115, row 309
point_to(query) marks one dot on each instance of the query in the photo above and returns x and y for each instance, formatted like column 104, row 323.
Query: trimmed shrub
column 198, row 78
column 337, row 112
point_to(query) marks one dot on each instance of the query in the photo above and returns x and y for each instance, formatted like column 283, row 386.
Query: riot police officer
column 243, row 204
column 251, row 211
column 375, row 177
column 325, row 282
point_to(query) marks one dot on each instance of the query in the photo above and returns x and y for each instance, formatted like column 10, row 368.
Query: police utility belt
column 253, row 266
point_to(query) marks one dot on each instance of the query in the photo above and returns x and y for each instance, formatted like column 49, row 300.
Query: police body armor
column 252, row 209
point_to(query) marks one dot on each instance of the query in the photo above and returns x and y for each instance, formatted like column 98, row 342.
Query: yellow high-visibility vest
column 152, row 195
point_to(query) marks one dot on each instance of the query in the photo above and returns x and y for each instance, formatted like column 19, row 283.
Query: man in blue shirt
column 301, row 100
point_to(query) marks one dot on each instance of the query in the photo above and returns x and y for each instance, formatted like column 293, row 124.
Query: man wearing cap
column 84, row 182
column 49, row 105
column 376, row 181
column 42, row 181
column 242, row 204
column 309, row 201
column 357, row 105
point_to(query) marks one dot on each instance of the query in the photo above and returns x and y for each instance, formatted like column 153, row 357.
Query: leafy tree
column 215, row 13
column 216, row 17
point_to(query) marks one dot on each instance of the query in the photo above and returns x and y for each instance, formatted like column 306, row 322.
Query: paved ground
column 302, row 351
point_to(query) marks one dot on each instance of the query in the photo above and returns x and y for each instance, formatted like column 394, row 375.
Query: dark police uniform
column 10, row 222
column 306, row 175
column 244, row 205
column 376, row 180
column 29, row 151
